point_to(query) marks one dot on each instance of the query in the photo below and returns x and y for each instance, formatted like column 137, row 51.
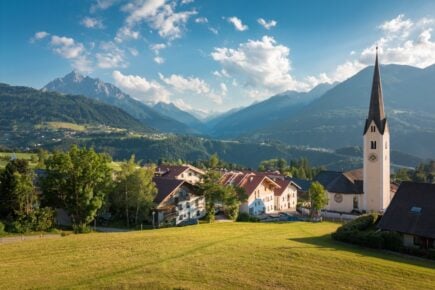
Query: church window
column 355, row 202
column 373, row 144
column 373, row 128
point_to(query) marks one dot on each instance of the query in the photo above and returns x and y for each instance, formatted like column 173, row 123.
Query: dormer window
column 373, row 144
column 372, row 128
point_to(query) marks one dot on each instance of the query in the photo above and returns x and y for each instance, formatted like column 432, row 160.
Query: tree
column 17, row 192
column 134, row 191
column 77, row 180
column 214, row 161
column 318, row 198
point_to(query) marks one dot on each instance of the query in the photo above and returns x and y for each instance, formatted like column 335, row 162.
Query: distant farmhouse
column 368, row 189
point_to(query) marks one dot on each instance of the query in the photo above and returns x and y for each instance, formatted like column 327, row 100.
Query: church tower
column 377, row 192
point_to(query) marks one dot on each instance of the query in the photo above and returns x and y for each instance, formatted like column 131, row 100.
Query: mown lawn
column 223, row 255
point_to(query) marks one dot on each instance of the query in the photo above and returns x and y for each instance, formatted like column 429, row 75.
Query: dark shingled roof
column 421, row 220
column 304, row 184
column 165, row 187
column 349, row 182
column 376, row 109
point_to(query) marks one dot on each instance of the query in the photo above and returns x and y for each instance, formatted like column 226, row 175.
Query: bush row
column 245, row 217
column 361, row 231
column 38, row 220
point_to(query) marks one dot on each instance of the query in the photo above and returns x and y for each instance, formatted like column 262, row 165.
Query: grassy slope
column 226, row 255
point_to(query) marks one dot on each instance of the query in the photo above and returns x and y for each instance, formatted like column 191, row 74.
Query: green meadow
column 210, row 256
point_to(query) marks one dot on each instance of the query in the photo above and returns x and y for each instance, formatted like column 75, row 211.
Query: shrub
column 2, row 228
column 245, row 217
column 392, row 241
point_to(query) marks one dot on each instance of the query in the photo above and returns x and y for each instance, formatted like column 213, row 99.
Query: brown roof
column 412, row 210
column 172, row 171
column 165, row 187
column 249, row 181
column 283, row 183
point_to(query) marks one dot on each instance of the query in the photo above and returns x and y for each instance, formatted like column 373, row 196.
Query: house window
column 373, row 128
column 373, row 144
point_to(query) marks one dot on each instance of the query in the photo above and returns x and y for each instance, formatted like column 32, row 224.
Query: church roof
column 376, row 109
column 412, row 210
column 349, row 182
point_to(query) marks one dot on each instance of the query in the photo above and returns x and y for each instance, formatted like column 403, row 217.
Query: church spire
column 376, row 109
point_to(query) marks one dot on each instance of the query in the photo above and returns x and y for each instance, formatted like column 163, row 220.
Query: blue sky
column 209, row 55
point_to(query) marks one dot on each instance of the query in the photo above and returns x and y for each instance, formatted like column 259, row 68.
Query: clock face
column 338, row 198
column 373, row 157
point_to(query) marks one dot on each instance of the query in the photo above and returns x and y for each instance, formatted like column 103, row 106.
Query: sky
column 210, row 55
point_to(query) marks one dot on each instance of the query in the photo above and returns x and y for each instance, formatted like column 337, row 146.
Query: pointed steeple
column 376, row 109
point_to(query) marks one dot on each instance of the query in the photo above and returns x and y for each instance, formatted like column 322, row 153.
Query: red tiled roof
column 249, row 181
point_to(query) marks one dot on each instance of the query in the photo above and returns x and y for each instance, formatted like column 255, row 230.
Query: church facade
column 368, row 189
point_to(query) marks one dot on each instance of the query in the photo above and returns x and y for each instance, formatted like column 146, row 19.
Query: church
column 368, row 189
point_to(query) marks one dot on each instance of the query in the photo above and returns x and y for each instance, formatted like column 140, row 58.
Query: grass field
column 223, row 255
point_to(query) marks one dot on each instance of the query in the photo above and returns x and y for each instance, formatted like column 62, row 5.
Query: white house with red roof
column 184, row 172
column 263, row 191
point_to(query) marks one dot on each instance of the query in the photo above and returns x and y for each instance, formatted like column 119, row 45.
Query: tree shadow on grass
column 327, row 243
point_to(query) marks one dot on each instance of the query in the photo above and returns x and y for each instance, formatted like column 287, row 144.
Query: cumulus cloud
column 402, row 41
column 140, row 88
column 224, row 89
column 159, row 60
column 238, row 24
column 159, row 15
column 111, row 56
column 74, row 51
column 40, row 35
column 126, row 33
column 262, row 65
column 102, row 5
column 183, row 84
column 184, row 2
column 90, row 22
column 157, row 47
column 266, row 24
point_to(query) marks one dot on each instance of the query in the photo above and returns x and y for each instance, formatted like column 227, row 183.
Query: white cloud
column 140, row 88
column 158, row 15
column 396, row 25
column 157, row 47
column 201, row 20
column 111, row 56
column 238, row 24
column 90, row 22
column 181, row 104
column 126, row 33
column 184, row 2
column 224, row 89
column 133, row 51
column 159, row 60
column 262, row 65
column 266, row 24
column 74, row 51
column 403, row 41
column 189, row 84
column 40, row 35
column 102, row 5
column 214, row 30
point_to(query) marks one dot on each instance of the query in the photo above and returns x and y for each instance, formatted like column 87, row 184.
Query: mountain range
column 77, row 84
column 328, row 116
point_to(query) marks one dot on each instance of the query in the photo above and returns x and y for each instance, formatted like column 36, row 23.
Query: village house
column 412, row 214
column 286, row 196
column 177, row 203
column 265, row 194
column 185, row 172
